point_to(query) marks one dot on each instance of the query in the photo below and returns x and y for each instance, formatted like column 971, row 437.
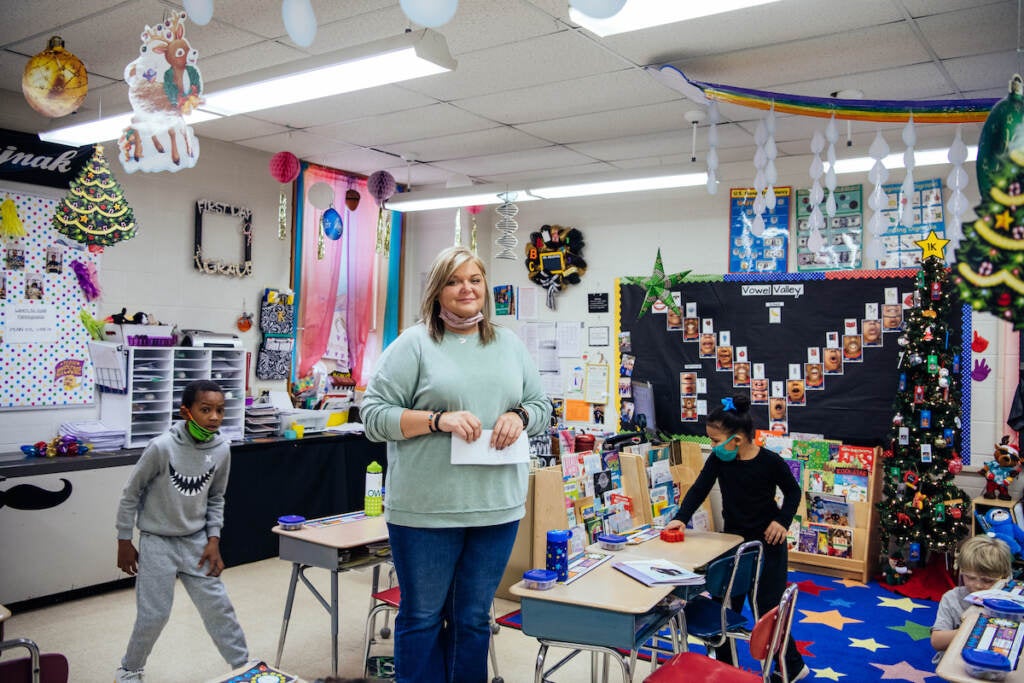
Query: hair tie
column 728, row 405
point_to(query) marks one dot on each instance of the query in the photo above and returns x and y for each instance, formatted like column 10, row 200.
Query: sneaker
column 123, row 675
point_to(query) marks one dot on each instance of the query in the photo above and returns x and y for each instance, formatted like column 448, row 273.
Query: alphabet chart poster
column 765, row 253
column 44, row 347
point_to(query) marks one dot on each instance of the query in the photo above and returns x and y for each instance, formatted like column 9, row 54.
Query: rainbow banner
column 883, row 111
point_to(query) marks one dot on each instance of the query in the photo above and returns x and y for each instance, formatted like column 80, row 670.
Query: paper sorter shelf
column 110, row 364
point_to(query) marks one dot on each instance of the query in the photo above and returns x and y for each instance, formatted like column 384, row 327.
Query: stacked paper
column 98, row 435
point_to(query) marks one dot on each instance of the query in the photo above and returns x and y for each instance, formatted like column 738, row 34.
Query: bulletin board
column 44, row 353
column 774, row 320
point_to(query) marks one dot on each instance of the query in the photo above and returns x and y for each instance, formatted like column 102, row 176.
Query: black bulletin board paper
column 855, row 407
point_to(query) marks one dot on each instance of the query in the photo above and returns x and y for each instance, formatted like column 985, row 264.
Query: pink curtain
column 342, row 280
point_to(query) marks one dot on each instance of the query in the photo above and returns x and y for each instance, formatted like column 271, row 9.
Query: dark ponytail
column 733, row 416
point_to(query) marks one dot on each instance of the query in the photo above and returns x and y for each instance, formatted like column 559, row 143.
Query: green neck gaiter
column 200, row 433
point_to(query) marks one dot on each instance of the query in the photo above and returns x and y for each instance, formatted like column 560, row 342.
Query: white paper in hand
column 480, row 452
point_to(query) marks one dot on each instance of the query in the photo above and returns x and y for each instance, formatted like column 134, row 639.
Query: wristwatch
column 523, row 415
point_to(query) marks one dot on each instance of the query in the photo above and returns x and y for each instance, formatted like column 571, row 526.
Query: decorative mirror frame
column 216, row 266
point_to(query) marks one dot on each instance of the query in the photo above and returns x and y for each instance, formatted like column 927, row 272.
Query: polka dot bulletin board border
column 53, row 373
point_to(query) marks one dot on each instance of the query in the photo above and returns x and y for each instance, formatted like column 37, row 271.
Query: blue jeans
column 448, row 579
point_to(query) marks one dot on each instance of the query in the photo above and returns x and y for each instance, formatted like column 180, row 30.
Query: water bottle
column 558, row 553
column 373, row 500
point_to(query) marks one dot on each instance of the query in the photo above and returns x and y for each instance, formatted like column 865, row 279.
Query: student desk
column 951, row 666
column 606, row 610
column 336, row 547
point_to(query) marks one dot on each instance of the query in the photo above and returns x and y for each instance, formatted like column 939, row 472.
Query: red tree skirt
column 929, row 582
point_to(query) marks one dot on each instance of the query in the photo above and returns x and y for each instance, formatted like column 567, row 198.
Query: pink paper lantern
column 474, row 210
column 284, row 167
column 381, row 186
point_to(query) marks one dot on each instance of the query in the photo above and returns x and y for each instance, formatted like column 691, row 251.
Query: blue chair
column 710, row 618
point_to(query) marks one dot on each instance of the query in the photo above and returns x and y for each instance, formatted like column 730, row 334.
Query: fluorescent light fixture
column 401, row 58
column 922, row 157
column 638, row 14
column 598, row 183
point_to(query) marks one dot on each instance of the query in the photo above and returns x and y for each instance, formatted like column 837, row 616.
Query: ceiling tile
column 482, row 24
column 418, row 175
column 410, row 124
column 300, row 143
column 988, row 74
column 476, row 143
column 971, row 30
column 356, row 160
column 345, row 107
column 580, row 96
column 263, row 17
column 40, row 18
column 546, row 59
column 244, row 59
column 922, row 8
column 236, row 128
column 553, row 172
column 633, row 146
column 528, row 160
column 647, row 119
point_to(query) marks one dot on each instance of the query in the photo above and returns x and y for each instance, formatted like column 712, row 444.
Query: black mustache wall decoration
column 31, row 497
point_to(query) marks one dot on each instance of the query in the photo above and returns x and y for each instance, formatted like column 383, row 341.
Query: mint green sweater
column 423, row 488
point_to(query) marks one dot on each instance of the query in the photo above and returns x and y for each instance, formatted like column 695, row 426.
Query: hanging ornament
column 760, row 160
column 199, row 11
column 55, row 81
column 331, row 224
column 299, row 21
column 597, row 9
column 831, row 135
column 658, row 285
column 284, row 167
column 909, row 136
column 771, row 175
column 713, row 118
column 95, row 211
column 10, row 222
column 282, row 216
column 956, row 205
column 507, row 226
column 473, row 211
column 352, row 198
column 815, row 221
column 382, row 187
column 429, row 13
column 458, row 227
column 877, row 200
column 321, row 245
column 1000, row 127
column 244, row 322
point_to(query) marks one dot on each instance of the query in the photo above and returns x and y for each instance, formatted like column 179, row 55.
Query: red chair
column 767, row 645
column 37, row 668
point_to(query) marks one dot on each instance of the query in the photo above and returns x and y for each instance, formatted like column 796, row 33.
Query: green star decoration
column 657, row 285
column 914, row 630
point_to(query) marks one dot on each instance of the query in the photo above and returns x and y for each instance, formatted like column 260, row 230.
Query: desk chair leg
column 287, row 612
column 334, row 621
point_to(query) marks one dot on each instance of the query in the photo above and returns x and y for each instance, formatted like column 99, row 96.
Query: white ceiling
column 534, row 95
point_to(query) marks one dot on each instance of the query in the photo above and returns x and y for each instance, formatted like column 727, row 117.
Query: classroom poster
column 843, row 232
column 764, row 254
column 899, row 243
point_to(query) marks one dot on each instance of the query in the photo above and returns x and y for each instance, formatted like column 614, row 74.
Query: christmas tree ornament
column 352, row 198
column 382, row 187
column 95, row 211
column 10, row 222
column 1000, row 127
column 285, row 167
column 473, row 211
column 658, row 285
column 55, row 81
column 164, row 86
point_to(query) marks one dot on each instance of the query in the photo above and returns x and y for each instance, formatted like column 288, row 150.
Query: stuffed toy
column 896, row 571
column 1001, row 470
column 1002, row 526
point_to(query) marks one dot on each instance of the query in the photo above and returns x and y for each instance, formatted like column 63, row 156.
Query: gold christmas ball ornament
column 55, row 81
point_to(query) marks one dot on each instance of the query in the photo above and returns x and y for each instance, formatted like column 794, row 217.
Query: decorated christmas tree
column 94, row 211
column 923, row 511
column 990, row 260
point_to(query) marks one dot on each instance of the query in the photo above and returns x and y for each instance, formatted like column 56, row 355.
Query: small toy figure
column 896, row 571
column 1002, row 526
column 1001, row 470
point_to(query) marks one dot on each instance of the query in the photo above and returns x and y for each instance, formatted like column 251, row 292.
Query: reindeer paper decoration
column 164, row 86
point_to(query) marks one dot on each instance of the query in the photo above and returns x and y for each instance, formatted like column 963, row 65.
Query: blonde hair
column 986, row 555
column 444, row 266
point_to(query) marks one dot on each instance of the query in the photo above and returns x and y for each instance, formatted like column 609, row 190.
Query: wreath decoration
column 554, row 259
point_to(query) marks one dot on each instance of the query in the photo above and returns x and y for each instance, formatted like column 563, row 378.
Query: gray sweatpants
column 162, row 559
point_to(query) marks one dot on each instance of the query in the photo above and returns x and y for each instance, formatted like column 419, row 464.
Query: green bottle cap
column 374, row 467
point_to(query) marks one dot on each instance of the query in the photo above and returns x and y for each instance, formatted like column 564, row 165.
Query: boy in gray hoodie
column 175, row 495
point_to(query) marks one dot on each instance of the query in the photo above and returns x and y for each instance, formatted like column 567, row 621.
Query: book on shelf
column 659, row 572
column 828, row 508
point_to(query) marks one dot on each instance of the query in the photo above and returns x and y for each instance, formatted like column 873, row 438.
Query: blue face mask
column 722, row 453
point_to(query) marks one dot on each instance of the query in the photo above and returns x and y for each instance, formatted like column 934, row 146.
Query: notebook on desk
column 658, row 572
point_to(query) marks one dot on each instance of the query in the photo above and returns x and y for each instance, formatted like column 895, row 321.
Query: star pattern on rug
column 913, row 629
column 851, row 583
column 904, row 672
column 839, row 602
column 804, row 647
column 905, row 604
column 867, row 644
column 829, row 673
column 657, row 285
column 808, row 587
column 830, row 618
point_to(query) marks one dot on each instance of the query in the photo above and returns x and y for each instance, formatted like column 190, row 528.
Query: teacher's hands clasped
column 468, row 427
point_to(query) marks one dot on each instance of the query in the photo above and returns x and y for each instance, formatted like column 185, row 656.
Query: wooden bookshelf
column 864, row 563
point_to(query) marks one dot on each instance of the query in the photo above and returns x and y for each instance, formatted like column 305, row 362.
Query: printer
column 208, row 340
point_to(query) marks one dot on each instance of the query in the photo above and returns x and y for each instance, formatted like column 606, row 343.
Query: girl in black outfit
column 747, row 476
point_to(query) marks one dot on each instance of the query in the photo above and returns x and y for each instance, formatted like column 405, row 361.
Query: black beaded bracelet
column 437, row 420
column 523, row 415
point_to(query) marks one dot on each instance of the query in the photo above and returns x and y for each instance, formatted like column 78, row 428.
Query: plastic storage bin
column 1001, row 608
column 986, row 665
column 291, row 522
column 611, row 541
column 539, row 579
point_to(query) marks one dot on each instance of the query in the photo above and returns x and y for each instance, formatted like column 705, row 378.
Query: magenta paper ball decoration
column 284, row 167
column 382, row 186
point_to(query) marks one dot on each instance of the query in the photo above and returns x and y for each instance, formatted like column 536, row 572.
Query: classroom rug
column 849, row 632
